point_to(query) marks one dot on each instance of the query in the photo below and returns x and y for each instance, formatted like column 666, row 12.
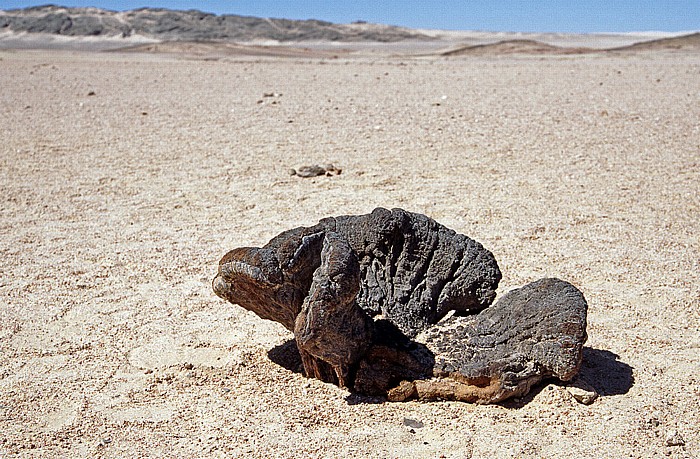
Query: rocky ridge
column 191, row 25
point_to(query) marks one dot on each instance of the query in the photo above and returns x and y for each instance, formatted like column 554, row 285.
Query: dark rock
column 366, row 296
column 532, row 333
column 413, row 270
column 408, row 422
column 331, row 327
column 316, row 170
column 673, row 438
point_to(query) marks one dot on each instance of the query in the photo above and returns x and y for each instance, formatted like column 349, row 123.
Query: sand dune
column 689, row 42
column 514, row 47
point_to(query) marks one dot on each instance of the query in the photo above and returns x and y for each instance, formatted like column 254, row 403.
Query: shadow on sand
column 600, row 368
column 605, row 372
column 287, row 356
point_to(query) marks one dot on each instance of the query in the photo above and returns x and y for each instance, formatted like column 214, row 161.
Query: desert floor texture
column 125, row 177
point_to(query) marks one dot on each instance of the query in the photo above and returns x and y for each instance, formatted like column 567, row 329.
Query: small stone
column 582, row 391
column 674, row 438
column 408, row 422
column 332, row 170
column 104, row 441
column 316, row 170
column 310, row 171
column 91, row 93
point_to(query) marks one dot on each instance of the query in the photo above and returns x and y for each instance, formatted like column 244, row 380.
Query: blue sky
column 495, row 15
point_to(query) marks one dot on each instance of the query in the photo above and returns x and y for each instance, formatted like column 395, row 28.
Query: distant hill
column 197, row 32
column 514, row 47
column 192, row 25
column 684, row 42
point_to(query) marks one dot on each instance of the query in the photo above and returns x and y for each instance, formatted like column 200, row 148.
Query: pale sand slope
column 116, row 208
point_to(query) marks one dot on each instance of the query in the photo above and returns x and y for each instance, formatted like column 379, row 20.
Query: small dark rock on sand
column 316, row 170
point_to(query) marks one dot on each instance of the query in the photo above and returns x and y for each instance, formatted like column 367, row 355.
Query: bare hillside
column 515, row 47
column 189, row 25
column 685, row 42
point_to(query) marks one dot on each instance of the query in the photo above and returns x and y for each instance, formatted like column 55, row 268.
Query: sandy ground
column 117, row 206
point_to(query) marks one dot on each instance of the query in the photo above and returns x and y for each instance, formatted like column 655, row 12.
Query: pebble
column 582, row 391
column 104, row 441
column 408, row 422
column 316, row 170
column 673, row 438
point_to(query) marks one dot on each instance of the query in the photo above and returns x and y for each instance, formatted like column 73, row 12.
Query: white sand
column 116, row 208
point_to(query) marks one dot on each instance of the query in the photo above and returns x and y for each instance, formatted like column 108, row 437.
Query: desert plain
column 125, row 176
